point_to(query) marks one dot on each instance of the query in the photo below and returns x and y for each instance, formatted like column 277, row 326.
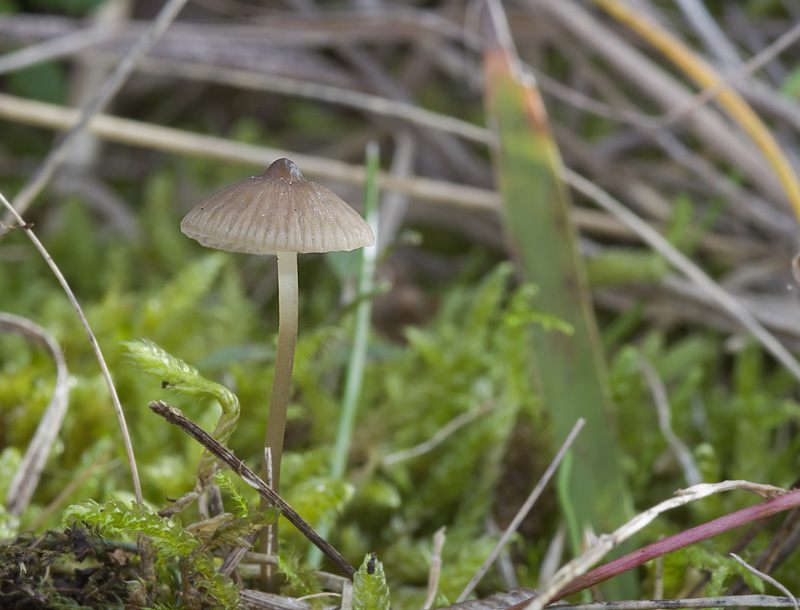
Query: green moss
column 470, row 355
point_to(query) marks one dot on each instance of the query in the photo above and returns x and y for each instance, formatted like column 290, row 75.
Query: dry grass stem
column 58, row 155
column 702, row 22
column 135, row 133
column 552, row 557
column 753, row 64
column 394, row 204
column 658, row 588
column 259, row 558
column 731, row 601
column 678, row 260
column 225, row 455
column 156, row 137
column 437, row 439
column 318, row 595
column 53, row 48
column 494, row 602
column 522, row 512
column 259, row 600
column 347, row 596
column 701, row 72
column 373, row 104
column 702, row 97
column 436, row 568
column 663, row 89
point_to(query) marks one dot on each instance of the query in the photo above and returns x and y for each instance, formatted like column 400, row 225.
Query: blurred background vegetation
column 316, row 82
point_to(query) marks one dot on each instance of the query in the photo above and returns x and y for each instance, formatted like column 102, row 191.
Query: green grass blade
column 355, row 366
column 569, row 368
column 366, row 281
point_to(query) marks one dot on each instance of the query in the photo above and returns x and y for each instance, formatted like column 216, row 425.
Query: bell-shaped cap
column 278, row 211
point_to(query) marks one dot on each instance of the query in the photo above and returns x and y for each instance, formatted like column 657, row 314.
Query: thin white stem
column 284, row 361
column 661, row 400
column 282, row 382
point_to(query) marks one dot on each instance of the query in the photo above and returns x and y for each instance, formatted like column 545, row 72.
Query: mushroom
column 281, row 213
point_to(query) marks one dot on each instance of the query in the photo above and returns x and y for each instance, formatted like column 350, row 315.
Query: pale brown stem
column 281, row 387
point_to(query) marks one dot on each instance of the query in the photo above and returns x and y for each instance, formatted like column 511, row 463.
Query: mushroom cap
column 278, row 211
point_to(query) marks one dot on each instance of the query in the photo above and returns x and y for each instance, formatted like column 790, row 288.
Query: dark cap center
column 282, row 169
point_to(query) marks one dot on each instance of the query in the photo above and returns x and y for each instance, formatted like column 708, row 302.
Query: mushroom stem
column 282, row 380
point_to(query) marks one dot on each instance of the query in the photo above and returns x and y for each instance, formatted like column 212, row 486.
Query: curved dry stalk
column 137, row 489
column 699, row 18
column 439, row 437
column 30, row 469
column 156, row 137
column 767, row 578
column 664, row 410
column 665, row 90
column 713, row 90
column 647, row 121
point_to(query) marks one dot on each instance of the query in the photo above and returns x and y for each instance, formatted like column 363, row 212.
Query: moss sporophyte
column 278, row 213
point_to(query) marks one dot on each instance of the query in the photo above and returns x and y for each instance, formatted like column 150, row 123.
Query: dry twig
column 224, row 454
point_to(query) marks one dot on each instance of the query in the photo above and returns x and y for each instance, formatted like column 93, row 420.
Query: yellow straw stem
column 705, row 76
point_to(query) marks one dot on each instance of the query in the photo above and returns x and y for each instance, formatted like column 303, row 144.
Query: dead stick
column 174, row 416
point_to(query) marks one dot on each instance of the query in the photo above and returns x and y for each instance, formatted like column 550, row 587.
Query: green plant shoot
column 174, row 373
column 370, row 591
